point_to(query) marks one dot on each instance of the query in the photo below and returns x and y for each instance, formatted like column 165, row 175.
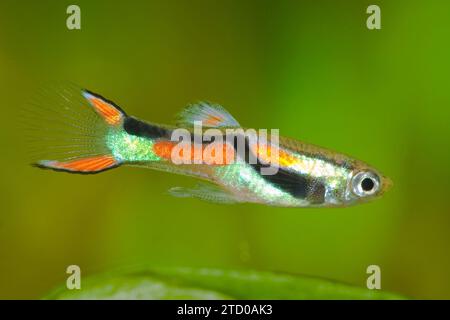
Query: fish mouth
column 386, row 184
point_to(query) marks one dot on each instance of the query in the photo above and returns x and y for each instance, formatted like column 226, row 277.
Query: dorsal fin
column 211, row 115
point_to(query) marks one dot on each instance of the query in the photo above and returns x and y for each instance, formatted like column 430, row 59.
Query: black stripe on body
column 139, row 128
column 297, row 185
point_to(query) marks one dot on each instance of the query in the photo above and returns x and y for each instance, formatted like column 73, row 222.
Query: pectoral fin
column 205, row 192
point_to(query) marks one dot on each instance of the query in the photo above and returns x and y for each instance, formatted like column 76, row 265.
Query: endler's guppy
column 86, row 133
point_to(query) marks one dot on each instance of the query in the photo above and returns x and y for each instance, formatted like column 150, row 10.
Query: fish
column 82, row 132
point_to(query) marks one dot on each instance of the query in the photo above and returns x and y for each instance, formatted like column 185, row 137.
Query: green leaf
column 137, row 287
column 191, row 283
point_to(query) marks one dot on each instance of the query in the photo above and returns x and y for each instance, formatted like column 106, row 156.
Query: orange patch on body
column 163, row 149
column 284, row 158
column 227, row 156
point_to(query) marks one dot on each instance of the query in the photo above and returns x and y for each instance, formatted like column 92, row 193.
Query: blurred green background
column 310, row 68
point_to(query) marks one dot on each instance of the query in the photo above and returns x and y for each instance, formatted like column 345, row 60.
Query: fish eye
column 365, row 183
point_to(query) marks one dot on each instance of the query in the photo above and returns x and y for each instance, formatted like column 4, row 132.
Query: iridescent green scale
column 130, row 148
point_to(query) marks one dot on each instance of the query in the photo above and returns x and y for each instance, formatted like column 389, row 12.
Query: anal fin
column 205, row 192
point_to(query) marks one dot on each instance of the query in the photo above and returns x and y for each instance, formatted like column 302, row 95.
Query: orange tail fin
column 83, row 165
column 106, row 109
column 70, row 128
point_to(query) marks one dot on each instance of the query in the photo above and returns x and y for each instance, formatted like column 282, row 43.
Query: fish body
column 305, row 175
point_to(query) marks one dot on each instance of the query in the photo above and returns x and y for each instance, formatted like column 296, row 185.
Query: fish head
column 365, row 183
